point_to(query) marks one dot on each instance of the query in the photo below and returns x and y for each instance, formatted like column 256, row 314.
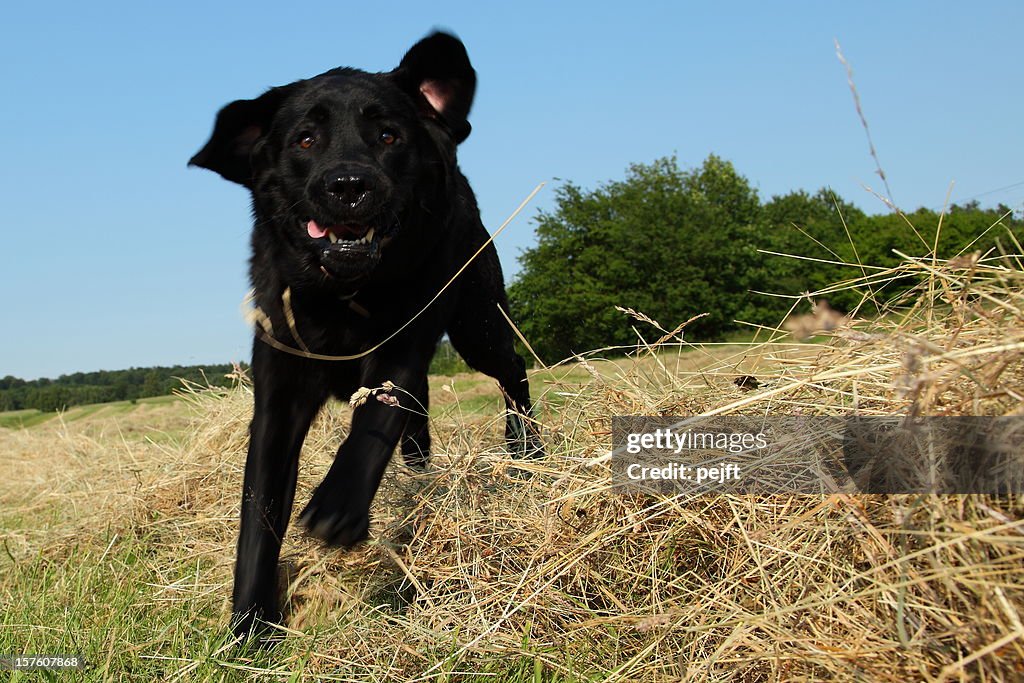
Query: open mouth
column 346, row 235
column 348, row 252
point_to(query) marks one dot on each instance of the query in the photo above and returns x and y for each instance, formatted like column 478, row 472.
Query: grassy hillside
column 30, row 417
column 119, row 527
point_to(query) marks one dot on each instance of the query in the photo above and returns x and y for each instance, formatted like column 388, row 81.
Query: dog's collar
column 353, row 305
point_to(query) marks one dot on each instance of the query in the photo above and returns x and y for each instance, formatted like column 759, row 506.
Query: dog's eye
column 388, row 137
column 306, row 141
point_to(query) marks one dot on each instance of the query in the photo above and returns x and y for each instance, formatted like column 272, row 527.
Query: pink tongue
column 314, row 230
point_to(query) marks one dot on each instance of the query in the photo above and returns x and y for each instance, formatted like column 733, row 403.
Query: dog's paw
column 335, row 525
column 522, row 438
column 526, row 449
column 253, row 628
column 416, row 450
column 416, row 461
column 532, row 447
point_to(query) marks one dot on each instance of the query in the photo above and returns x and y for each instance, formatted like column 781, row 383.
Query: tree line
column 674, row 243
column 103, row 386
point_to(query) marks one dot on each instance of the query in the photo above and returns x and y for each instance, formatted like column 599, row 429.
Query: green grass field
column 15, row 419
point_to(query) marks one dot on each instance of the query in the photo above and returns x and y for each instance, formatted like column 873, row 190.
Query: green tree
column 80, row 388
column 820, row 226
column 664, row 241
column 153, row 384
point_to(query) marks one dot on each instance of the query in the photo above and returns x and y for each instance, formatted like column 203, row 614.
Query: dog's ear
column 437, row 74
column 239, row 125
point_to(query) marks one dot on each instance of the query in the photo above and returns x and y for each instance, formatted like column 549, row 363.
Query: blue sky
column 113, row 254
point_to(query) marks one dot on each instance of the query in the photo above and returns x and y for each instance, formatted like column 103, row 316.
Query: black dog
column 361, row 217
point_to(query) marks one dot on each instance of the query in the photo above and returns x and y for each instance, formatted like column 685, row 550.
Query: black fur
column 343, row 153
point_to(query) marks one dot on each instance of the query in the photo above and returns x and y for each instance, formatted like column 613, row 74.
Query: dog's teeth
column 369, row 235
column 332, row 237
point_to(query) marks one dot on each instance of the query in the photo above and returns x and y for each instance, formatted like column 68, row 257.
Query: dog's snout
column 350, row 188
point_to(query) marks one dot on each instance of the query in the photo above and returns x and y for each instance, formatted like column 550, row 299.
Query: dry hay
column 488, row 560
column 489, row 564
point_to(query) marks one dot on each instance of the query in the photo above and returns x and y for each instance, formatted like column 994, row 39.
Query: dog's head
column 341, row 163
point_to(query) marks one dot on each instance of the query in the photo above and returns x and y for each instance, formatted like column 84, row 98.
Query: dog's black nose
column 348, row 188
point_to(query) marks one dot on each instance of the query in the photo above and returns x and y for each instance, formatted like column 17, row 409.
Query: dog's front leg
column 339, row 511
column 284, row 408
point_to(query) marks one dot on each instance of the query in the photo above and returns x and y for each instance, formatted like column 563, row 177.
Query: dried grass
column 490, row 565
